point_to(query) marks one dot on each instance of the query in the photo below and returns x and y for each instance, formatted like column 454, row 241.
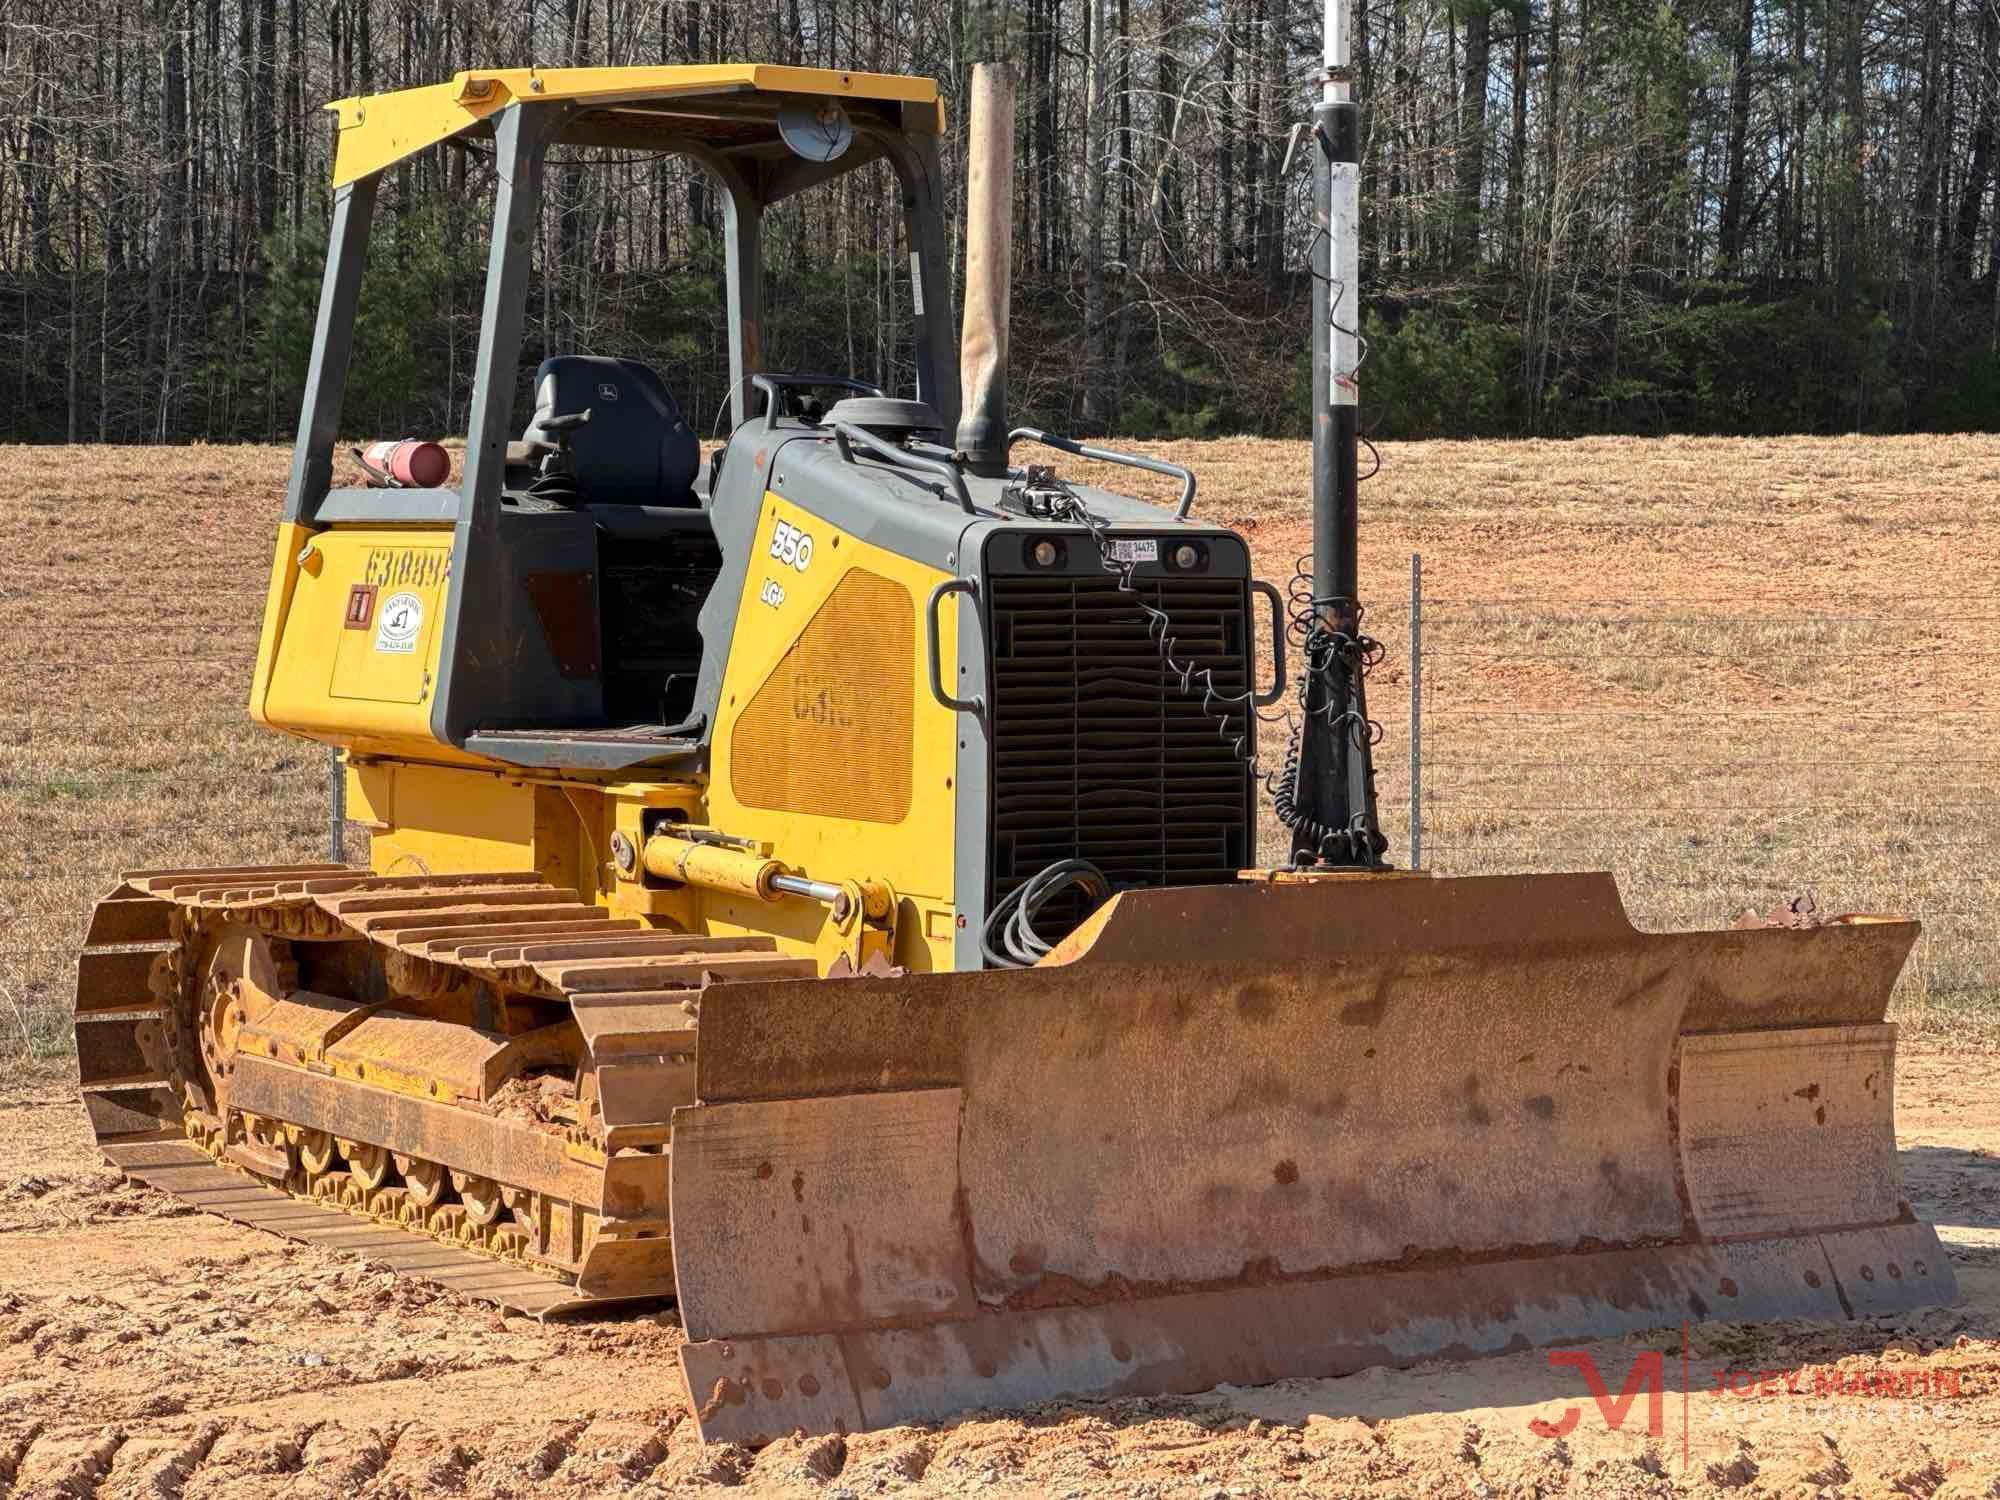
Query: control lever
column 556, row 479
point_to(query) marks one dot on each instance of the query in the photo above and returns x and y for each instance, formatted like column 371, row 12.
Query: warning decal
column 402, row 618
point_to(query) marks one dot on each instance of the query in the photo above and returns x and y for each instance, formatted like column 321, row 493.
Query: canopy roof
column 729, row 108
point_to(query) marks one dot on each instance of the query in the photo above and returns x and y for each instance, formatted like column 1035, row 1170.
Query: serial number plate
column 1129, row 550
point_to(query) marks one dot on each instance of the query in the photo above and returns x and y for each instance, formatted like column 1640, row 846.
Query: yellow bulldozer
column 819, row 884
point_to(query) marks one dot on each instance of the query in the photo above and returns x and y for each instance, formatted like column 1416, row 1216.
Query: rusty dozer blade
column 1240, row 1133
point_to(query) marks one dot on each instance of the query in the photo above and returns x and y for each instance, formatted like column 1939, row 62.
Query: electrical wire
column 1323, row 651
column 1009, row 939
column 1066, row 505
column 715, row 427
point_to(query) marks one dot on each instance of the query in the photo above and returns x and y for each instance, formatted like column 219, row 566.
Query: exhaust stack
column 989, row 248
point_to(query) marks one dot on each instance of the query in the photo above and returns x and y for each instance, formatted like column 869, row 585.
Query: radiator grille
column 1096, row 750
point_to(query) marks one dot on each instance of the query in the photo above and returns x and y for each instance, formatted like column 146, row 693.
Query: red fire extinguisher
column 411, row 463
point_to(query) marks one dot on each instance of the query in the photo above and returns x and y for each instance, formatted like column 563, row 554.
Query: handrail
column 1110, row 456
column 845, row 436
column 975, row 705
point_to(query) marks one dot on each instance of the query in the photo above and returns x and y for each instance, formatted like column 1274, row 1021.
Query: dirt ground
column 148, row 1350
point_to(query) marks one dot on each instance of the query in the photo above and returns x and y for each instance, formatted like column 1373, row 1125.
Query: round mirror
column 820, row 132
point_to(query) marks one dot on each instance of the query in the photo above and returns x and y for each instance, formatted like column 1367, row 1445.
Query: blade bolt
column 623, row 855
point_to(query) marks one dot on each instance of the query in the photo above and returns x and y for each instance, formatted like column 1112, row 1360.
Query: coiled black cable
column 1009, row 939
column 1321, row 648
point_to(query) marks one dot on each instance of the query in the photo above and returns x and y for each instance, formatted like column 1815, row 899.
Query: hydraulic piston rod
column 736, row 871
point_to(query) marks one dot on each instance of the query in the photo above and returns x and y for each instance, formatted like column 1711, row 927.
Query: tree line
column 1579, row 215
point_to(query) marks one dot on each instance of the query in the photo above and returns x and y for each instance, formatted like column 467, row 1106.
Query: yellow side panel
column 353, row 658
column 828, row 743
column 807, row 716
column 449, row 822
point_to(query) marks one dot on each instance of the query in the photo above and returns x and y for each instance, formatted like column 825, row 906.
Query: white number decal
column 772, row 593
column 792, row 546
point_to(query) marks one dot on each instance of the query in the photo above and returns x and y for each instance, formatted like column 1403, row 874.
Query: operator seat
column 636, row 449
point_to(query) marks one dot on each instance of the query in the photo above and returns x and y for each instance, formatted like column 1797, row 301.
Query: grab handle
column 1112, row 456
column 845, row 439
column 976, row 706
column 1277, row 600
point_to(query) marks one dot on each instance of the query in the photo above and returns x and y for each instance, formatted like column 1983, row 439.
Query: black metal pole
column 1334, row 797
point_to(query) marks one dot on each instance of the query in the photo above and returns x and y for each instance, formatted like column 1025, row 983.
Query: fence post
column 1416, row 710
column 336, row 801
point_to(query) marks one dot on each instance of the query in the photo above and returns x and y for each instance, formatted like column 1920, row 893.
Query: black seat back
column 636, row 449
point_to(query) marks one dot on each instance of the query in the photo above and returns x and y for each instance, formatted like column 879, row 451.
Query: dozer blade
column 1241, row 1133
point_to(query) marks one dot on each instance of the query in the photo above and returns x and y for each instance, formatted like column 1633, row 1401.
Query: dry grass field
column 1732, row 672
